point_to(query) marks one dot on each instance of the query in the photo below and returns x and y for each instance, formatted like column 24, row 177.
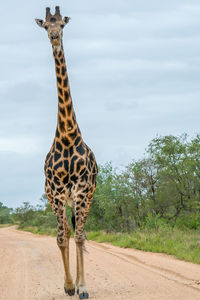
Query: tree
column 5, row 214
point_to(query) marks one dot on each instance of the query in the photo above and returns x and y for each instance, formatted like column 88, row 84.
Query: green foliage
column 5, row 214
column 163, row 188
column 188, row 220
column 40, row 217
column 155, row 222
column 24, row 213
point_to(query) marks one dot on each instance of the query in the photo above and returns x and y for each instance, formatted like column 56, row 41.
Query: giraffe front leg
column 63, row 236
column 80, row 278
column 80, row 239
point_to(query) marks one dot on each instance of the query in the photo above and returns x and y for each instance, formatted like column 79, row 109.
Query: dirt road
column 31, row 268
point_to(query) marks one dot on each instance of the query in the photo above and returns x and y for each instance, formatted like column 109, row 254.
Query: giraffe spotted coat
column 70, row 165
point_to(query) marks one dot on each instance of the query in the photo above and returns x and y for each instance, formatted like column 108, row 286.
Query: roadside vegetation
column 5, row 215
column 153, row 204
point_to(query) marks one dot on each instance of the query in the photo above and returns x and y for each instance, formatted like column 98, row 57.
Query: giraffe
column 70, row 166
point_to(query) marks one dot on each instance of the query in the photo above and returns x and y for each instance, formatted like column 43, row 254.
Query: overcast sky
column 134, row 70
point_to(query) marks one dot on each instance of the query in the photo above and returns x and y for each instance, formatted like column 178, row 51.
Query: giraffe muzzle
column 55, row 39
column 54, row 36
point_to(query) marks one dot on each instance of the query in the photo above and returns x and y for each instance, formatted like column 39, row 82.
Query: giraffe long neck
column 67, row 127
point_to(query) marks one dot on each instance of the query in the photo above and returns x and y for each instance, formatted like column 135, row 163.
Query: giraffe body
column 70, row 166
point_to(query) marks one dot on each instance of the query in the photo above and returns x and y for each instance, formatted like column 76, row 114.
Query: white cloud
column 21, row 145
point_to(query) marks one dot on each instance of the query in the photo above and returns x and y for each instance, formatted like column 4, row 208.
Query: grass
column 5, row 225
column 182, row 244
column 39, row 230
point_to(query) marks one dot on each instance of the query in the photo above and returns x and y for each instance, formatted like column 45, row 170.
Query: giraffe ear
column 66, row 20
column 39, row 22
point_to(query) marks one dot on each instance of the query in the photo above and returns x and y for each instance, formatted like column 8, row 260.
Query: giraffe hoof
column 83, row 296
column 69, row 292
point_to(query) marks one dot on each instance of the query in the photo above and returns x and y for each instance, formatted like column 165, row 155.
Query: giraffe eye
column 62, row 26
column 46, row 27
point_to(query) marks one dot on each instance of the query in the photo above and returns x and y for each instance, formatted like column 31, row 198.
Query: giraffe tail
column 73, row 220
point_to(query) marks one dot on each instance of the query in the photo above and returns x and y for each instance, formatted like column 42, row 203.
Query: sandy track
column 31, row 268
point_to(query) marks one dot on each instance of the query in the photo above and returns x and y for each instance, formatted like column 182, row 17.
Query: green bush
column 155, row 222
column 5, row 214
column 190, row 221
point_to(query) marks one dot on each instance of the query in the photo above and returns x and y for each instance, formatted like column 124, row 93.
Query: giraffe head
column 54, row 25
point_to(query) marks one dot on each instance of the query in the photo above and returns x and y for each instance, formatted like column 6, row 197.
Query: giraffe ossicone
column 70, row 165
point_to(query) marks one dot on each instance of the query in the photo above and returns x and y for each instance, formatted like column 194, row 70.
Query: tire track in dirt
column 166, row 273
column 162, row 271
